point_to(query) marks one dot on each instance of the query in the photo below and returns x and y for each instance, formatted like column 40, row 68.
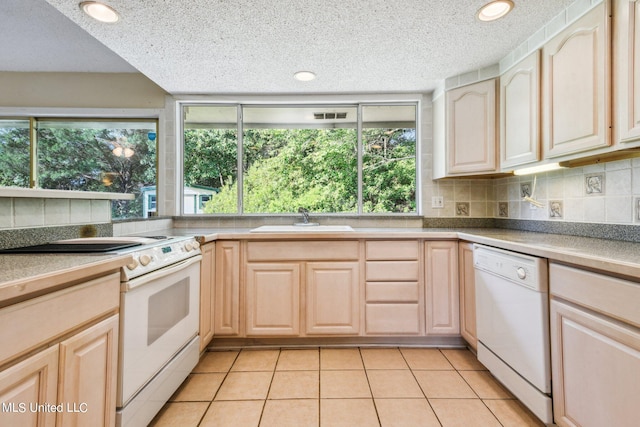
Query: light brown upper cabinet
column 576, row 86
column 626, row 53
column 471, row 124
column 466, row 144
column 520, row 113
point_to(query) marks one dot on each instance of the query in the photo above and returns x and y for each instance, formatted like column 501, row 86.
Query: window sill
column 38, row 193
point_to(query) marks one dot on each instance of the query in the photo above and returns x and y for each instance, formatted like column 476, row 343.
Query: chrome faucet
column 305, row 214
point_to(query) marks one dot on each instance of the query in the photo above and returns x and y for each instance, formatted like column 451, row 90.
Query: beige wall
column 79, row 90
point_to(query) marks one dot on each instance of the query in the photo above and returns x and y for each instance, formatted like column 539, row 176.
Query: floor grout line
column 301, row 367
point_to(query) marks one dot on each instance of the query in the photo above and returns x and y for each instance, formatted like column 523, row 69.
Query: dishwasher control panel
column 525, row 270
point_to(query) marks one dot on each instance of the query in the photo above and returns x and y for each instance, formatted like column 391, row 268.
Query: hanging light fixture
column 100, row 11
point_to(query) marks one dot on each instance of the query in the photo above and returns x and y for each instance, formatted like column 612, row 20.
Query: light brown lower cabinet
column 273, row 299
column 441, row 282
column 595, row 349
column 28, row 384
column 207, row 282
column 88, row 373
column 333, row 298
column 72, row 383
column 394, row 293
column 466, row 276
column 60, row 355
column 336, row 288
column 227, row 289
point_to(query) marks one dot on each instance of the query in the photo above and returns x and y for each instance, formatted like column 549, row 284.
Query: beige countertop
column 612, row 256
column 26, row 276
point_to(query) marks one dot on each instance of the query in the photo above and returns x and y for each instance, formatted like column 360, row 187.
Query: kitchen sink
column 301, row 228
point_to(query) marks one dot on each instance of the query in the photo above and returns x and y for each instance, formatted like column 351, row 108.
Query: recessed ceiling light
column 304, row 76
column 495, row 10
column 100, row 11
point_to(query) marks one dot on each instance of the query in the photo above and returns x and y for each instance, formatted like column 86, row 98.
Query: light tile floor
column 342, row 387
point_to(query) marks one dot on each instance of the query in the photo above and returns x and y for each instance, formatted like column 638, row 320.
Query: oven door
column 158, row 317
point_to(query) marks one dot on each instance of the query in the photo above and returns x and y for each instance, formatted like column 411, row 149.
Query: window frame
column 96, row 116
column 240, row 105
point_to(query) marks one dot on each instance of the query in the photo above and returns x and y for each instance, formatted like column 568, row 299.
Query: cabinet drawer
column 380, row 250
column 302, row 251
column 391, row 271
column 40, row 320
column 400, row 319
column 605, row 294
column 392, row 292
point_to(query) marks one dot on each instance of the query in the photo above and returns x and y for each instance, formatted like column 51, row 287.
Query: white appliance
column 159, row 319
column 512, row 308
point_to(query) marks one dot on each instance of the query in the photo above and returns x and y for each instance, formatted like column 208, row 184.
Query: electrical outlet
column 437, row 202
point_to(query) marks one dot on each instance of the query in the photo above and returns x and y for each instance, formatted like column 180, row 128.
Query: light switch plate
column 437, row 202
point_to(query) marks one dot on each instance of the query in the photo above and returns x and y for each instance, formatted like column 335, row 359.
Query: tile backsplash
column 601, row 193
column 22, row 212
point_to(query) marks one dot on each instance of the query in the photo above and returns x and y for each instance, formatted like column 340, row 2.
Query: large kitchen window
column 351, row 159
column 103, row 155
column 15, row 149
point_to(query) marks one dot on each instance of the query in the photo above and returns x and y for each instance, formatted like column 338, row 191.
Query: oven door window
column 166, row 309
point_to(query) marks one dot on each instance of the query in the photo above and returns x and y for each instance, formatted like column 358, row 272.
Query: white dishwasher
column 512, row 309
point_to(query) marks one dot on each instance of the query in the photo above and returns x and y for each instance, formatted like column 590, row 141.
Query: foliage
column 14, row 157
column 82, row 159
column 389, row 172
column 284, row 169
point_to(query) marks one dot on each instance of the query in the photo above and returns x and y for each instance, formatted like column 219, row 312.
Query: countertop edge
column 19, row 289
column 565, row 253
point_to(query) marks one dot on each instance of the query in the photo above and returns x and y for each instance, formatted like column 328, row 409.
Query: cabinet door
column 227, row 289
column 595, row 367
column 273, row 299
column 471, row 124
column 333, row 298
column 442, row 297
column 88, row 375
column 207, row 282
column 627, row 70
column 520, row 113
column 576, row 86
column 467, row 294
column 31, row 382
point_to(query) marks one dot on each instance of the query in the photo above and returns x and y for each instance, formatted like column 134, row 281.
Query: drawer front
column 303, row 251
column 605, row 294
column 392, row 271
column 392, row 292
column 40, row 320
column 393, row 319
column 380, row 250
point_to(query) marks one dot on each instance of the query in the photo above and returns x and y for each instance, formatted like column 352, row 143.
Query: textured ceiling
column 254, row 47
column 34, row 36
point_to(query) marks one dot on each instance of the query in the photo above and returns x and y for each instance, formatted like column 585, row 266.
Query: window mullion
column 360, row 153
column 33, row 153
column 240, row 177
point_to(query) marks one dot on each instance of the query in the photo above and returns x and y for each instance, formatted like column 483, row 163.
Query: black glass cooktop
column 75, row 248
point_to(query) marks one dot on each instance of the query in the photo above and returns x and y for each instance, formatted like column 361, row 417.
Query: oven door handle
column 139, row 281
